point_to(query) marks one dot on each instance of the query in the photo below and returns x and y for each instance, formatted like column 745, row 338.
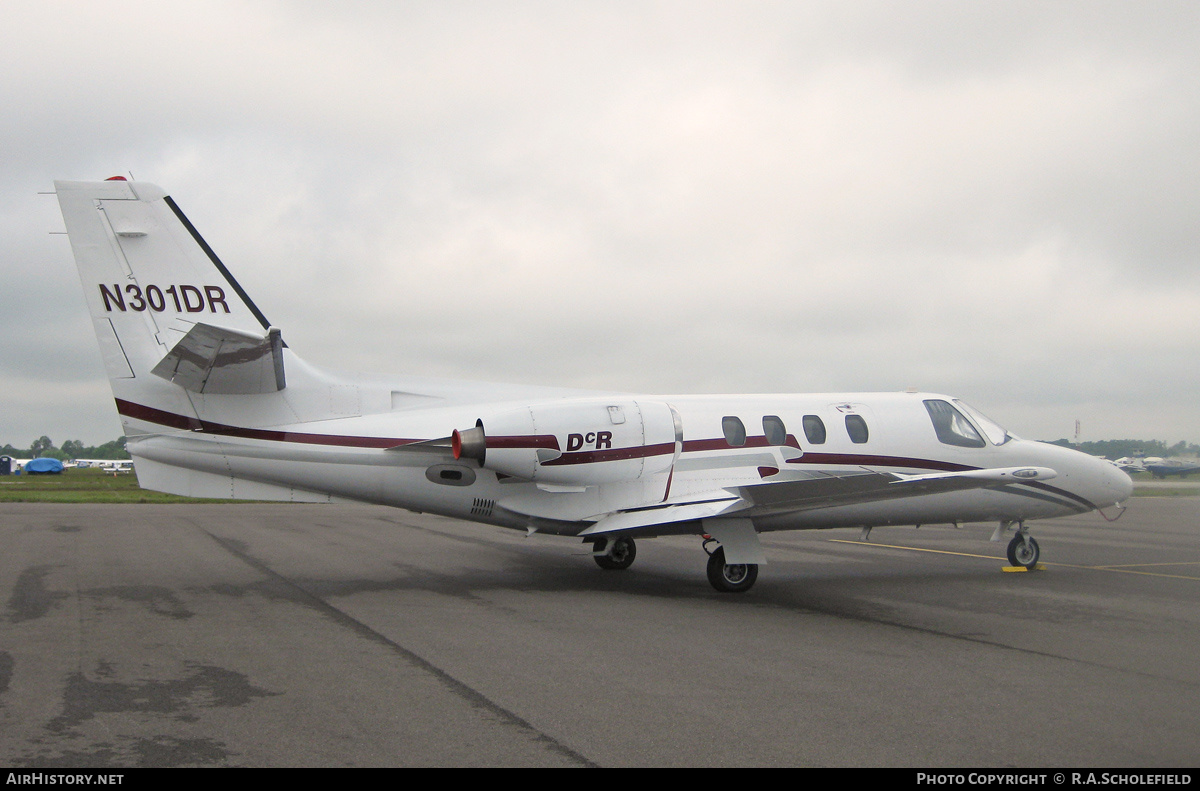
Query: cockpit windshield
column 996, row 433
column 951, row 427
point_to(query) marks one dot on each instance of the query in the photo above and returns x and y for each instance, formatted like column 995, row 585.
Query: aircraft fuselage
column 364, row 458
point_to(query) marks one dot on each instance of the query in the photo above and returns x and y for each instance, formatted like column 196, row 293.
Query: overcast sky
column 993, row 200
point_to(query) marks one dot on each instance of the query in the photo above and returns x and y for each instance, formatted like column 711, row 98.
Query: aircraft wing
column 211, row 359
column 823, row 491
column 819, row 490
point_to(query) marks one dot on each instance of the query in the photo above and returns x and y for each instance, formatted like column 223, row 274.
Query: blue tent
column 43, row 467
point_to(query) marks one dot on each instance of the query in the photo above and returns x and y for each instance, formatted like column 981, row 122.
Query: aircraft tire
column 622, row 555
column 1021, row 555
column 730, row 578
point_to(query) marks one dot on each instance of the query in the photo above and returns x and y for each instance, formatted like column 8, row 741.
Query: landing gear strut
column 730, row 577
column 614, row 554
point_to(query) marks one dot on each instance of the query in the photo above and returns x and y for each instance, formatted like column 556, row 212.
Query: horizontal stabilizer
column 212, row 359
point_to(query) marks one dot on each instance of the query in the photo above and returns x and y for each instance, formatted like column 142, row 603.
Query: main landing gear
column 729, row 577
column 614, row 554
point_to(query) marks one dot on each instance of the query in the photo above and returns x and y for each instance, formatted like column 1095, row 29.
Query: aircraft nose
column 1099, row 481
column 1118, row 483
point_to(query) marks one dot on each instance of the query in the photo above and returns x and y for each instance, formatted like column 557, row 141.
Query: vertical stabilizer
column 149, row 279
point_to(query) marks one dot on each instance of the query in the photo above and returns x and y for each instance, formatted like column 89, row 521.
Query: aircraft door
column 662, row 428
column 677, row 421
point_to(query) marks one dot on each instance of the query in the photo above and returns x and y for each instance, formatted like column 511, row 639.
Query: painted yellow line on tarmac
column 1125, row 569
column 914, row 549
column 1131, row 571
column 1142, row 565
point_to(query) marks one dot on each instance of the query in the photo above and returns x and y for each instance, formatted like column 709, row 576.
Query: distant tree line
column 43, row 447
column 1120, row 448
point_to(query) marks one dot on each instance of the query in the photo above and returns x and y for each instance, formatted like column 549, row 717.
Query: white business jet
column 214, row 404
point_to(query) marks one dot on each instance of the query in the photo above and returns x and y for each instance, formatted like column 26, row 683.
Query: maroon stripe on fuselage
column 516, row 442
column 613, row 454
column 841, row 459
column 151, row 415
column 696, row 445
column 182, row 422
column 867, row 460
column 1045, row 487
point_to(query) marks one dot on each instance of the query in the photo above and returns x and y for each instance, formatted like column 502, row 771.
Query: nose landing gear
column 1023, row 549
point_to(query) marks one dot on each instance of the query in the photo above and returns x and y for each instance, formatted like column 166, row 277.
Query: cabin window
column 856, row 427
column 735, row 432
column 814, row 429
column 951, row 426
column 774, row 430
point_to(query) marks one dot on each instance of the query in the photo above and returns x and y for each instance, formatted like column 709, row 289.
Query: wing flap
column 211, row 359
column 647, row 517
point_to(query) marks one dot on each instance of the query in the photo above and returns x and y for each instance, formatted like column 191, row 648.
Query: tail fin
column 167, row 312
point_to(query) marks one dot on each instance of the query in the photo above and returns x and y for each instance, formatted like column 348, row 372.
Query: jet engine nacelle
column 576, row 443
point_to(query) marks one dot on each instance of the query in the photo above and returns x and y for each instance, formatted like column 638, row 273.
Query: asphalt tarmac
column 307, row 635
